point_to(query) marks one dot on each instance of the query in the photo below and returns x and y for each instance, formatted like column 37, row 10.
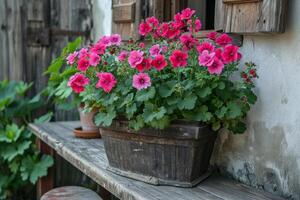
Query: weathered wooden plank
column 89, row 157
column 251, row 16
column 46, row 183
column 124, row 13
column 71, row 193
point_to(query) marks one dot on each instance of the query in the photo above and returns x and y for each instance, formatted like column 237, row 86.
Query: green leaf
column 32, row 170
column 221, row 112
column 45, row 118
column 234, row 110
column 204, row 92
column 239, row 128
column 63, row 91
column 166, row 89
column 72, row 46
column 130, row 110
column 105, row 118
column 160, row 123
column 151, row 112
column 200, row 114
column 187, row 102
column 55, row 65
column 137, row 124
column 11, row 151
column 216, row 126
column 145, row 94
column 221, row 86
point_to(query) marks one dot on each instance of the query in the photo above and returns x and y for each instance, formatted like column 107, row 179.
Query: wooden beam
column 240, row 1
column 45, row 183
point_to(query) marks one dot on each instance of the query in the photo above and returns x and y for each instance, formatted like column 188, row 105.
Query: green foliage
column 59, row 73
column 20, row 163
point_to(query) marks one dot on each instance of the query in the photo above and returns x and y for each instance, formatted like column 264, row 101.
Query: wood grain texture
column 71, row 193
column 251, row 16
column 89, row 156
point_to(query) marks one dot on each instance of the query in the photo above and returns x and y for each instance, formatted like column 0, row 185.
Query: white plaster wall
column 268, row 155
column 102, row 18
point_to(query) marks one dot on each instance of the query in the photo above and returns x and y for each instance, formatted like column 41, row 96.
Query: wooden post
column 45, row 183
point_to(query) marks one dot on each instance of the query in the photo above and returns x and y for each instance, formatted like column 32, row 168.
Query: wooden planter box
column 177, row 156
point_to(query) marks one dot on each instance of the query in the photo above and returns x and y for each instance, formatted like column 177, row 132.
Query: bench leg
column 45, row 183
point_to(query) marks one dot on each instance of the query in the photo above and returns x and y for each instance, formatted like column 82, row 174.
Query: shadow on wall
column 259, row 158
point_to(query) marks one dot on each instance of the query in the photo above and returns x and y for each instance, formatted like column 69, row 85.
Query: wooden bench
column 90, row 158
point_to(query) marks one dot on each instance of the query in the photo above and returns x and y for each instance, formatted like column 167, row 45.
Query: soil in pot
column 177, row 156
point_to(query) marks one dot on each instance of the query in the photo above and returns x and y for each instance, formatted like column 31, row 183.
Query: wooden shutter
column 126, row 18
column 250, row 16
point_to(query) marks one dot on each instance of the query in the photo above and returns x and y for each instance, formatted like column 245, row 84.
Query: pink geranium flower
column 135, row 58
column 94, row 59
column 223, row 40
column 105, row 40
column 144, row 28
column 98, row 48
column 219, row 53
column 155, row 50
column 206, row 58
column 178, row 58
column 187, row 40
column 123, row 55
column 196, row 26
column 77, row 82
column 178, row 23
column 212, row 35
column 142, row 45
column 216, row 67
column 144, row 65
column 72, row 57
column 230, row 54
column 187, row 13
column 205, row 46
column 141, row 81
column 106, row 81
column 115, row 39
column 152, row 21
column 159, row 62
column 83, row 53
column 83, row 64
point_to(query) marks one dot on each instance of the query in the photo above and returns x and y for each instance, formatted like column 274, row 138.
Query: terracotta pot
column 177, row 156
column 87, row 120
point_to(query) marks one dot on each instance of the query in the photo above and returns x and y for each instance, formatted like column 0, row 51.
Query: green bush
column 20, row 163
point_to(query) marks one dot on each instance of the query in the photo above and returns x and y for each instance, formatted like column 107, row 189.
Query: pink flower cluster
column 173, row 29
column 176, row 47
column 91, row 57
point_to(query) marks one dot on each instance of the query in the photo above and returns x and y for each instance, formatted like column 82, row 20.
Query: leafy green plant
column 59, row 73
column 20, row 163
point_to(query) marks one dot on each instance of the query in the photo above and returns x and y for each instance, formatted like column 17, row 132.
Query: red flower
column 194, row 26
column 187, row 13
column 187, row 40
column 77, row 82
column 212, row 35
column 106, row 81
column 83, row 64
column 230, row 54
column 178, row 58
column 144, row 65
column 205, row 46
column 144, row 28
column 178, row 23
column 153, row 21
column 159, row 62
column 252, row 72
column 223, row 40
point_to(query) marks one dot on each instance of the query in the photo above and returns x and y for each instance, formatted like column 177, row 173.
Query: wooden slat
column 124, row 12
column 45, row 183
column 89, row 157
